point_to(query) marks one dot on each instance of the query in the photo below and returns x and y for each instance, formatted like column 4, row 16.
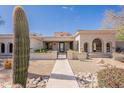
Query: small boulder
column 35, row 82
column 41, row 84
column 31, row 80
column 17, row 86
column 45, row 81
column 38, row 79
column 32, row 86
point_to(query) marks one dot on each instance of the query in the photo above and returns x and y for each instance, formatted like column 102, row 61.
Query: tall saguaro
column 21, row 47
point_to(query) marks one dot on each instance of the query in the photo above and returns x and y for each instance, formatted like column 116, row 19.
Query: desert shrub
column 111, row 77
column 119, row 57
column 120, row 50
column 42, row 50
column 8, row 64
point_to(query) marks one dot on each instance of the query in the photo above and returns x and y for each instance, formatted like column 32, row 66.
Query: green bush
column 111, row 77
column 42, row 50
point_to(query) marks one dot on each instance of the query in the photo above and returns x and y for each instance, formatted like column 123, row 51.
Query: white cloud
column 64, row 7
column 68, row 8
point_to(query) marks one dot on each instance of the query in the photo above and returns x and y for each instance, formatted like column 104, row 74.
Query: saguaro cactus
column 21, row 47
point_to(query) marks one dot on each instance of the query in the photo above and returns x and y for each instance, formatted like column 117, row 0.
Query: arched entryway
column 108, row 47
column 10, row 47
column 85, row 47
column 97, row 45
column 2, row 47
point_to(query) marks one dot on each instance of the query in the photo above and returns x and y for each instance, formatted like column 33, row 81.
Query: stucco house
column 95, row 42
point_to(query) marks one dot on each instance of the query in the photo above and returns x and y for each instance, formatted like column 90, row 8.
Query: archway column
column 7, row 45
column 6, row 48
column 75, row 45
column 104, row 47
column 90, row 47
column 79, row 47
column 113, row 46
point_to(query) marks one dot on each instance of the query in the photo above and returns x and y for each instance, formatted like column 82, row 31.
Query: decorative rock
column 38, row 79
column 45, row 80
column 35, row 82
column 31, row 83
column 32, row 86
column 80, row 77
column 6, row 84
column 41, row 84
column 76, row 76
column 87, row 80
column 31, row 80
column 17, row 86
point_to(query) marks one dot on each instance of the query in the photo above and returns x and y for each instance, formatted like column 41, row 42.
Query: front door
column 61, row 46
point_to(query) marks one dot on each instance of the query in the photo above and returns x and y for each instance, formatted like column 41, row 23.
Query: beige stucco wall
column 74, row 55
column 43, row 56
column 53, row 38
column 67, row 46
column 104, row 38
column 55, row 46
column 77, row 43
column 35, row 44
column 6, row 40
column 87, row 37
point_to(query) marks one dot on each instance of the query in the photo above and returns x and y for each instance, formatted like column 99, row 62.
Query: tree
column 114, row 20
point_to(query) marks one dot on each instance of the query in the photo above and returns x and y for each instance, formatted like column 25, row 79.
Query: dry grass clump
column 111, row 77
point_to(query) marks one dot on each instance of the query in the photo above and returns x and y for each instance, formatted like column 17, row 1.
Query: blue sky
column 49, row 19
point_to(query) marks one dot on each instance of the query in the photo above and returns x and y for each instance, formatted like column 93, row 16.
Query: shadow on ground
column 33, row 75
column 62, row 76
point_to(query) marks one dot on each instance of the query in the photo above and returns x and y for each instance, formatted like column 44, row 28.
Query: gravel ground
column 37, row 69
column 41, row 67
column 87, row 66
column 92, row 66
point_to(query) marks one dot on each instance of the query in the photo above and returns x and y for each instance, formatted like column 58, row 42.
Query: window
column 71, row 45
column 108, row 47
column 97, row 45
column 2, row 48
column 49, row 45
column 10, row 47
column 85, row 47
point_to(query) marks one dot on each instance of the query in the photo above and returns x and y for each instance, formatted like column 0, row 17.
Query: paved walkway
column 62, row 76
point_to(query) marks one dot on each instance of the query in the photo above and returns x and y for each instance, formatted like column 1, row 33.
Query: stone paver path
column 62, row 76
